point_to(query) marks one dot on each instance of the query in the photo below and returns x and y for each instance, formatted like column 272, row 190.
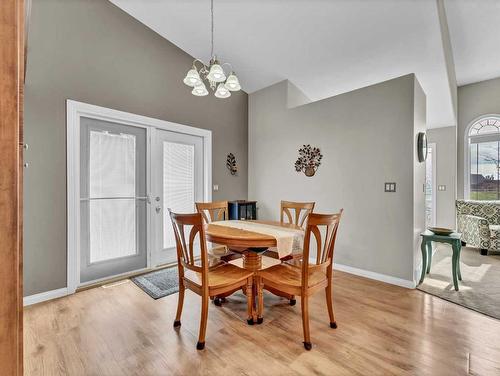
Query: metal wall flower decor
column 309, row 160
column 231, row 164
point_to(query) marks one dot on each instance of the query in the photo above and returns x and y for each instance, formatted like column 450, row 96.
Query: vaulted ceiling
column 331, row 47
column 475, row 36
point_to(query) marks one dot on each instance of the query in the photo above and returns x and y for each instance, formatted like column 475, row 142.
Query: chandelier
column 213, row 74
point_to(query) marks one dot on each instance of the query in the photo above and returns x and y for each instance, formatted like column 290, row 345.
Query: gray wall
column 367, row 137
column 474, row 100
column 446, row 168
column 93, row 52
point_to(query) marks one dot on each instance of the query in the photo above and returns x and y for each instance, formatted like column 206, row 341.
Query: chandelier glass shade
column 200, row 90
column 192, row 78
column 216, row 73
column 232, row 83
column 221, row 84
column 222, row 91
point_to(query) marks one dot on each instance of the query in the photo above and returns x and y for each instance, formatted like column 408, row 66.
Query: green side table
column 454, row 239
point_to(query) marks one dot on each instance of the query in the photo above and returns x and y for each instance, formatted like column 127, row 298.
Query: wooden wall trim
column 11, row 119
column 27, row 21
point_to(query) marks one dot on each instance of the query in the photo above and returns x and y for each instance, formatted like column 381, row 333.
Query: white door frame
column 74, row 111
column 434, row 183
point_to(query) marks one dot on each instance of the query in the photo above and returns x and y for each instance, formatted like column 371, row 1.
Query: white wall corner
column 448, row 57
column 295, row 97
column 419, row 125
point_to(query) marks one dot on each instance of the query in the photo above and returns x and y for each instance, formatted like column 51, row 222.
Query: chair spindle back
column 186, row 228
column 325, row 247
column 301, row 212
column 213, row 211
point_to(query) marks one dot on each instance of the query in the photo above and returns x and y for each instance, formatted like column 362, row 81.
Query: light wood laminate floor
column 383, row 330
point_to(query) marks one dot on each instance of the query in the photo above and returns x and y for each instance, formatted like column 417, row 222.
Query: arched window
column 483, row 159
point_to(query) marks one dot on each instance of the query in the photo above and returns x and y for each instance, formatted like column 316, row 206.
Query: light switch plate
column 389, row 187
column 216, row 187
column 441, row 187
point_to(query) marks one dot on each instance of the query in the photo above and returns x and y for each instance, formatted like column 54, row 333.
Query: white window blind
column 178, row 184
column 112, row 193
column 112, row 164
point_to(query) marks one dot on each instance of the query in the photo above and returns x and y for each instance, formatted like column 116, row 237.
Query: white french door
column 178, row 179
column 124, row 172
column 113, row 190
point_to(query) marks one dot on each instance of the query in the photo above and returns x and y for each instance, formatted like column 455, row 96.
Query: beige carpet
column 480, row 285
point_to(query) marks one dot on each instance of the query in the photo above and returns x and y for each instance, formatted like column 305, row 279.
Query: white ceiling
column 326, row 47
column 475, row 37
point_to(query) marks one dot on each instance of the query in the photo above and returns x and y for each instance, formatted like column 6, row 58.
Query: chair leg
column 329, row 304
column 304, row 299
column 180, row 304
column 249, row 294
column 203, row 322
column 260, row 302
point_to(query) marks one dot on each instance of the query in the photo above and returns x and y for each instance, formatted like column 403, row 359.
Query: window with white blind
column 178, row 184
column 112, row 195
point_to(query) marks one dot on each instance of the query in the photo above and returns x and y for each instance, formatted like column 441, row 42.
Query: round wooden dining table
column 249, row 243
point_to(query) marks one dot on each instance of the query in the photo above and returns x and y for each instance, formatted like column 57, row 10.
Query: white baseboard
column 44, row 296
column 54, row 294
column 376, row 276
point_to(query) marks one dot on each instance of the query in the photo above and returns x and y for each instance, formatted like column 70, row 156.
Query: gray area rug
column 159, row 283
column 480, row 285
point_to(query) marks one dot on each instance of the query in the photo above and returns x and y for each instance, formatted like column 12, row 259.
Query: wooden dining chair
column 294, row 213
column 211, row 212
column 303, row 278
column 196, row 275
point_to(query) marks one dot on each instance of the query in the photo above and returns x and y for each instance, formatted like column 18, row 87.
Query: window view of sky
column 484, row 158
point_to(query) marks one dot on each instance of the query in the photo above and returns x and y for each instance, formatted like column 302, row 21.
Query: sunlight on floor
column 480, row 286
column 473, row 273
column 445, row 285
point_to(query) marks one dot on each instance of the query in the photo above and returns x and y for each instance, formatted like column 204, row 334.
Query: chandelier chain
column 212, row 30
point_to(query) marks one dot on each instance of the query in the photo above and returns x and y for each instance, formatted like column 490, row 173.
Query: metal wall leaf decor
column 309, row 160
column 231, row 164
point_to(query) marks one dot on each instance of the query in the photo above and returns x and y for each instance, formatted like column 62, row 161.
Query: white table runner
column 288, row 240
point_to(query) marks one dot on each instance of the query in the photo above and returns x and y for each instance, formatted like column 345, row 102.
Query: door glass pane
column 112, row 229
column 112, row 164
column 485, row 166
column 112, row 177
column 178, row 184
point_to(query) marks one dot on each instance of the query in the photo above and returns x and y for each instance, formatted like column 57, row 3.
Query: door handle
column 158, row 209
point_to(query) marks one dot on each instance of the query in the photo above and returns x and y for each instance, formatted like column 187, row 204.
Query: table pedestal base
column 253, row 261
